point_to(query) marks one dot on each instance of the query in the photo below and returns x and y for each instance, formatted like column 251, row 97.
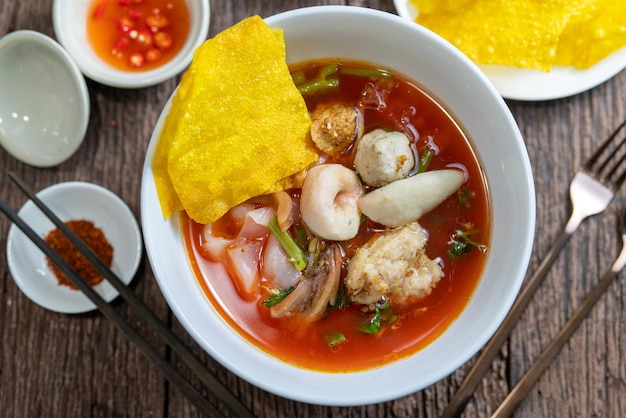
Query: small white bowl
column 358, row 33
column 44, row 111
column 70, row 27
column 73, row 201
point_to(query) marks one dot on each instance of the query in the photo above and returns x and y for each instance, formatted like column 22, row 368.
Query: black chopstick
column 202, row 372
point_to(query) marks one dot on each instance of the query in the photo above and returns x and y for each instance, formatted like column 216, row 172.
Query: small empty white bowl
column 70, row 27
column 73, row 201
column 44, row 108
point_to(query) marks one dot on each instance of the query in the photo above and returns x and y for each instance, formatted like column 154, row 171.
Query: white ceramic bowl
column 73, row 201
column 377, row 37
column 70, row 17
column 44, row 108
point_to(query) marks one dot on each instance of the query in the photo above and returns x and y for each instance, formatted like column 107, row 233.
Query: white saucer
column 73, row 201
column 532, row 85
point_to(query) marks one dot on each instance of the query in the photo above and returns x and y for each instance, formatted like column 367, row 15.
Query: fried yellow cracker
column 597, row 29
column 440, row 6
column 521, row 33
column 237, row 125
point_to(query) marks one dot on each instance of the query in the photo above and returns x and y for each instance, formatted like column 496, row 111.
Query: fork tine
column 610, row 171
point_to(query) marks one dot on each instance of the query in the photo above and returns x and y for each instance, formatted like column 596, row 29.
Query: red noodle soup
column 337, row 342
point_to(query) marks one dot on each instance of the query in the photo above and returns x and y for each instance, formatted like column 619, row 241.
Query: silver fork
column 591, row 190
column 525, row 384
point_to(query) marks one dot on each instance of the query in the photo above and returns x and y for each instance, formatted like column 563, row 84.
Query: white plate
column 526, row 84
column 73, row 201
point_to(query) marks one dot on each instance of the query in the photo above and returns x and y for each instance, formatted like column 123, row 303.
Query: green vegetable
column 322, row 82
column 461, row 244
column 276, row 296
column 295, row 253
column 336, row 338
column 342, row 299
column 318, row 85
column 464, row 198
column 372, row 325
column 329, row 70
column 300, row 238
column 366, row 72
column 298, row 77
column 425, row 159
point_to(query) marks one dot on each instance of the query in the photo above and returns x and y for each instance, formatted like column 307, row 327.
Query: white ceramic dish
column 44, row 108
column 73, row 201
column 70, row 17
column 378, row 37
column 532, row 85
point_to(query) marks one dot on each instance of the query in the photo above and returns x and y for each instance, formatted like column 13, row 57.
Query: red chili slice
column 135, row 14
column 153, row 55
column 163, row 40
column 99, row 11
column 144, row 37
column 157, row 21
column 136, row 60
column 125, row 25
column 119, row 46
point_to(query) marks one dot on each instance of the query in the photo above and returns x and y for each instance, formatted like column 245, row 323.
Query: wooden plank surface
column 55, row 365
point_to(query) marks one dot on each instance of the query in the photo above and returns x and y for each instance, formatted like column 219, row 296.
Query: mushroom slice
column 315, row 291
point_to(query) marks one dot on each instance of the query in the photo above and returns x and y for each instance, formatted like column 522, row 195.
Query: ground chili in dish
column 93, row 237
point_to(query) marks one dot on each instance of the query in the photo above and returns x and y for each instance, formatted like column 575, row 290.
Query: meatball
column 393, row 265
column 383, row 157
column 334, row 128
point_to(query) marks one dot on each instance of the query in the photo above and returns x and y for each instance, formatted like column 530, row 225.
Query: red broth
column 408, row 108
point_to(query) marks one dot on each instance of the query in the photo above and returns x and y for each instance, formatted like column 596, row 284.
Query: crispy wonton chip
column 512, row 32
column 237, row 128
column 595, row 31
column 533, row 34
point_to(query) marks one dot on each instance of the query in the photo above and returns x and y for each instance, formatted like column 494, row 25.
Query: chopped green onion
column 276, row 296
column 464, row 198
column 372, row 325
column 295, row 253
column 425, row 159
column 461, row 244
column 342, row 299
column 336, row 338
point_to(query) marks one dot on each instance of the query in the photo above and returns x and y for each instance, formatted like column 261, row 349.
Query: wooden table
column 56, row 365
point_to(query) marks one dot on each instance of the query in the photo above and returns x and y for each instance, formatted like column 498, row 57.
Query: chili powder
column 93, row 237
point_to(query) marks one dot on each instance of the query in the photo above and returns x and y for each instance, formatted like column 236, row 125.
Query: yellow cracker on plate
column 237, row 125
column 521, row 33
column 595, row 30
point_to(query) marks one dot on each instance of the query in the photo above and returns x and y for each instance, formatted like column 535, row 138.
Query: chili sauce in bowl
column 131, row 43
column 138, row 35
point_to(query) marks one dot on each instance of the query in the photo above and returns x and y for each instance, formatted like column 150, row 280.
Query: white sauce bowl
column 44, row 104
column 70, row 27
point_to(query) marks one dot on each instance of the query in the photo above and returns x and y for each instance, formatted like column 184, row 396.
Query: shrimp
column 328, row 203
